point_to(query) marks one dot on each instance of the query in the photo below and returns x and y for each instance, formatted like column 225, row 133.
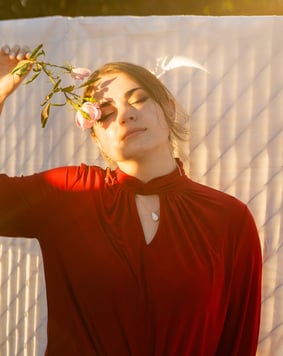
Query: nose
column 126, row 113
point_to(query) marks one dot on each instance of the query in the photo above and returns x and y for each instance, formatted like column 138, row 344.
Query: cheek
column 161, row 120
column 104, row 135
column 105, row 140
column 111, row 134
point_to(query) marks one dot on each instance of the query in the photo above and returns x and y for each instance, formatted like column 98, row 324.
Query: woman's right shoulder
column 82, row 177
column 65, row 178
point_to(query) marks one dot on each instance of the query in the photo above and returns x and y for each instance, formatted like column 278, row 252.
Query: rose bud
column 80, row 73
column 94, row 112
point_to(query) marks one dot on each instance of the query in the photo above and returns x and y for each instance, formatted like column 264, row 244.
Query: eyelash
column 141, row 100
column 104, row 117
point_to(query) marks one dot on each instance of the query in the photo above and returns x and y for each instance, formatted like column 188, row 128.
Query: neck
column 146, row 169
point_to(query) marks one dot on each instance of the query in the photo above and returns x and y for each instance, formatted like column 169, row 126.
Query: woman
column 139, row 260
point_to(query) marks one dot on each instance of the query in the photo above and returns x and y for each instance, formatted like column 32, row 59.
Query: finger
column 14, row 52
column 24, row 53
column 5, row 49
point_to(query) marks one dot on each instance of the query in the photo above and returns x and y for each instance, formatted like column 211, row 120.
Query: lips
column 132, row 132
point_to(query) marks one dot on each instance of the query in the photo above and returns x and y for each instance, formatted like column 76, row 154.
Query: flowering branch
column 88, row 110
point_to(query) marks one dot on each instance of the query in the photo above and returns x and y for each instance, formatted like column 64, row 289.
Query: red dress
column 194, row 290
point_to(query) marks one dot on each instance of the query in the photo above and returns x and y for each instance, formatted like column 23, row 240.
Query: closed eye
column 107, row 110
column 139, row 100
column 105, row 117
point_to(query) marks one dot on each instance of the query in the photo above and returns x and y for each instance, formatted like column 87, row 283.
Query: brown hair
column 157, row 91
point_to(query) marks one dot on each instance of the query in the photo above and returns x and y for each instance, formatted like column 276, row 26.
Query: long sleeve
column 240, row 332
column 21, row 205
column 28, row 204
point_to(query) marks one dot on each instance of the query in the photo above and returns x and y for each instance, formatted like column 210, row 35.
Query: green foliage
column 54, row 74
column 45, row 114
column 36, row 8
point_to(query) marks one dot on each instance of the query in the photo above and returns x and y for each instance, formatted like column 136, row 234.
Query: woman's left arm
column 241, row 329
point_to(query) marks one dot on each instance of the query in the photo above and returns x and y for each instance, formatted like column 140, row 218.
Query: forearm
column 9, row 58
column 240, row 333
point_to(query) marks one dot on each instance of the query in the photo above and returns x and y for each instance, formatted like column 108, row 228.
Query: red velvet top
column 194, row 290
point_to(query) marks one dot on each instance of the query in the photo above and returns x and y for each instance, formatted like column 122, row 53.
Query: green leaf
column 68, row 89
column 68, row 67
column 54, row 104
column 75, row 106
column 56, row 87
column 21, row 68
column 37, row 67
column 34, row 53
column 45, row 114
column 32, row 78
column 89, row 98
column 85, row 114
column 47, row 98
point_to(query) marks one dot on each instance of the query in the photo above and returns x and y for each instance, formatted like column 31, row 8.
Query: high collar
column 162, row 184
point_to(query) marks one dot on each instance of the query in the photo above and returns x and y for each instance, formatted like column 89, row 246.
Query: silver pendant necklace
column 155, row 215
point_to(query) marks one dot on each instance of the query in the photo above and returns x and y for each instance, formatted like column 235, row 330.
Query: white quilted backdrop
column 236, row 145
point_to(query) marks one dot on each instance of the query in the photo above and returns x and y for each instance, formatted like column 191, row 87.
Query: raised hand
column 9, row 58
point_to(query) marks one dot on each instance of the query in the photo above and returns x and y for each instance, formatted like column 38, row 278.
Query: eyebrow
column 127, row 95
column 130, row 92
